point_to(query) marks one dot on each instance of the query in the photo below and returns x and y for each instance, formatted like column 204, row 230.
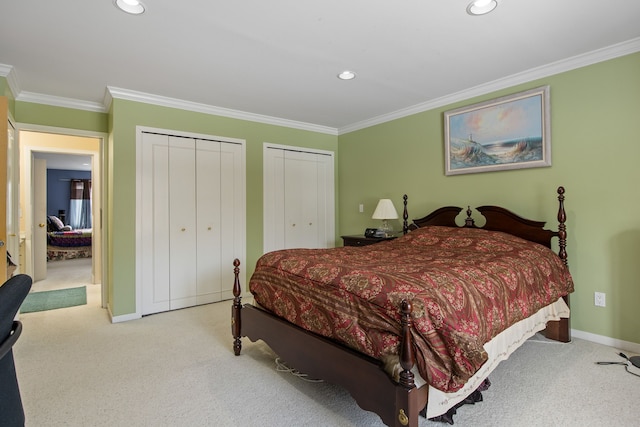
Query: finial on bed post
column 469, row 222
column 405, row 216
column 407, row 359
column 236, row 324
column 562, row 228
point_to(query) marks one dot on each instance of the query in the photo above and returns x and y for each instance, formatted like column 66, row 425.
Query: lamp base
column 386, row 228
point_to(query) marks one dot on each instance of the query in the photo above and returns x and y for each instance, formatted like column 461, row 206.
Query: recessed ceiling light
column 133, row 7
column 347, row 75
column 481, row 7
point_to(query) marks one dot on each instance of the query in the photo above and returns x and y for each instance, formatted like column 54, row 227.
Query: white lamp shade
column 385, row 210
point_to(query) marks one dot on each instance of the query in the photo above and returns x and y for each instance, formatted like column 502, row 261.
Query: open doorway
column 65, row 200
column 75, row 258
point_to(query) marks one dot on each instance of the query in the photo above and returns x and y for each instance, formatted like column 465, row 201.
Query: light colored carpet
column 65, row 274
column 178, row 368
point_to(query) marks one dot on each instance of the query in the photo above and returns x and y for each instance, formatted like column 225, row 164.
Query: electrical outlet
column 361, row 208
column 600, row 299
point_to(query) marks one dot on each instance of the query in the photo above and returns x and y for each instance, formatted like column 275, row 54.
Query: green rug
column 50, row 300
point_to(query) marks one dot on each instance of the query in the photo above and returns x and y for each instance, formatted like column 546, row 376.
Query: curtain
column 80, row 204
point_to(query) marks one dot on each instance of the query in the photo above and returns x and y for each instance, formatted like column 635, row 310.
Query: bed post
column 562, row 228
column 560, row 330
column 407, row 359
column 405, row 216
column 410, row 401
column 236, row 324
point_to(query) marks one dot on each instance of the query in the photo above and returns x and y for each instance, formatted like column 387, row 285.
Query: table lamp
column 385, row 211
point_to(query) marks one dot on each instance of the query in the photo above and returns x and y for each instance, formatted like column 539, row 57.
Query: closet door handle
column 41, row 225
column 183, row 229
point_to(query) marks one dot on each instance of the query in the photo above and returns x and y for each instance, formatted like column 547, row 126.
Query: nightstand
column 360, row 240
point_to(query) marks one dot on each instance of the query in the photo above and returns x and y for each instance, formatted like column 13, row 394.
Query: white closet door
column 231, row 208
column 301, row 200
column 154, row 242
column 298, row 199
column 209, row 225
column 273, row 199
column 191, row 219
column 182, row 222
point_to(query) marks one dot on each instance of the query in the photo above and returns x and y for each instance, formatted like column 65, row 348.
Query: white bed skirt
column 498, row 349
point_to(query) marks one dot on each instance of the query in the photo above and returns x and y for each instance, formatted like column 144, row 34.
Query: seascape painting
column 506, row 133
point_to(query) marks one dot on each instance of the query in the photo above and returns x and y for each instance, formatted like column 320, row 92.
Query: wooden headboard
column 497, row 219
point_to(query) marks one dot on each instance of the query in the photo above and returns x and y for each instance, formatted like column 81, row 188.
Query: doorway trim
column 97, row 167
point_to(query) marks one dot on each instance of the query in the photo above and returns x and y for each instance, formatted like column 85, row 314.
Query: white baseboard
column 611, row 342
column 124, row 317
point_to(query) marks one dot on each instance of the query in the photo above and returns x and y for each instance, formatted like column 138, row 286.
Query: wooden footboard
column 397, row 404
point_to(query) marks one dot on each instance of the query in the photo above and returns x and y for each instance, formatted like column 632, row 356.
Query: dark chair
column 12, row 294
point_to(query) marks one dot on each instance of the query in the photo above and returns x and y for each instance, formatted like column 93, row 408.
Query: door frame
column 4, row 148
column 99, row 251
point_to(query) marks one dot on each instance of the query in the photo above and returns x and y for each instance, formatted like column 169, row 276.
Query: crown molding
column 131, row 95
column 568, row 64
column 58, row 101
column 8, row 72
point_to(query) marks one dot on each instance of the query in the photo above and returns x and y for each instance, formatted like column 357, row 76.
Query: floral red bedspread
column 466, row 285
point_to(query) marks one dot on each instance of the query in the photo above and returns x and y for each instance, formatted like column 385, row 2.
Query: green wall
column 68, row 118
column 595, row 122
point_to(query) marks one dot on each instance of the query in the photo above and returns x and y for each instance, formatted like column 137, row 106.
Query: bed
column 65, row 243
column 70, row 238
column 384, row 321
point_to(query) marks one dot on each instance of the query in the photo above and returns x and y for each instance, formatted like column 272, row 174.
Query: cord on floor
column 282, row 367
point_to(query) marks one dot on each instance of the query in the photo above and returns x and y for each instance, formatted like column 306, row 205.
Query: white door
column 191, row 204
column 231, row 207
column 220, row 228
column 298, row 198
column 182, row 222
column 301, row 205
column 39, row 226
column 210, row 228
column 154, row 245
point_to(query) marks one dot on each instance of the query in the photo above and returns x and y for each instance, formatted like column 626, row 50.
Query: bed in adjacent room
column 65, row 243
column 415, row 324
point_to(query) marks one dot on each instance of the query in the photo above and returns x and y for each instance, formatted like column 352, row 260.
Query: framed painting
column 511, row 132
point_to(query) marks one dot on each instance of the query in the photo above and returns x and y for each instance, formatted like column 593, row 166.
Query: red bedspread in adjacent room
column 466, row 285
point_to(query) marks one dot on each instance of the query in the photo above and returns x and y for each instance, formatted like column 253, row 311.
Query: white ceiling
column 279, row 58
column 72, row 162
